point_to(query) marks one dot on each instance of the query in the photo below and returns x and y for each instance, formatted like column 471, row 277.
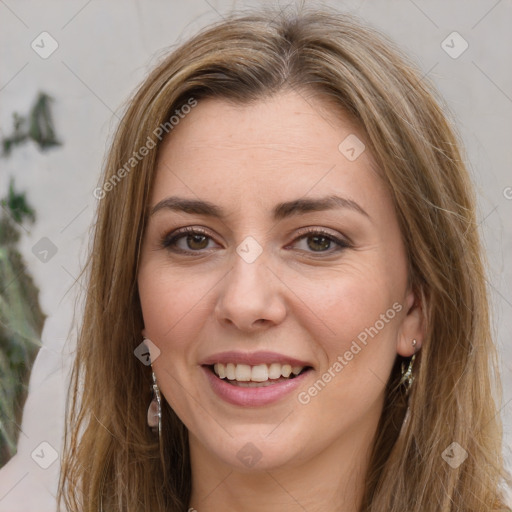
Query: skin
column 300, row 298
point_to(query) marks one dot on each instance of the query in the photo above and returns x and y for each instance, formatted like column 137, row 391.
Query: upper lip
column 253, row 359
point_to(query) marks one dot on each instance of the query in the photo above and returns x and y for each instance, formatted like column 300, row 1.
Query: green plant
column 21, row 321
column 38, row 126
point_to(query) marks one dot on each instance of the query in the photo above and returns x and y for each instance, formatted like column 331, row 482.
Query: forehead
column 284, row 147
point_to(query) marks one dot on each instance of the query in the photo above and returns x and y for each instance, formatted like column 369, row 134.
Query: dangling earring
column 155, row 409
column 407, row 375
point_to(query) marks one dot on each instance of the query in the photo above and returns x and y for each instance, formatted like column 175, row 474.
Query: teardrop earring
column 155, row 408
column 407, row 375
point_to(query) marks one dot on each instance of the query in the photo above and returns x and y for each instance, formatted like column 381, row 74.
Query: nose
column 251, row 297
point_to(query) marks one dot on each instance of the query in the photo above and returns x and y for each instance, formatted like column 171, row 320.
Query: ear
column 412, row 327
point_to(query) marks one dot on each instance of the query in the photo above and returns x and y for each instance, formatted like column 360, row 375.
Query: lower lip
column 256, row 396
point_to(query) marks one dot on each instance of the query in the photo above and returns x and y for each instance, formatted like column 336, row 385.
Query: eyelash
column 169, row 241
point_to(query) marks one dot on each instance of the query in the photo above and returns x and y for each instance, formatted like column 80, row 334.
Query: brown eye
column 320, row 242
column 187, row 240
column 196, row 242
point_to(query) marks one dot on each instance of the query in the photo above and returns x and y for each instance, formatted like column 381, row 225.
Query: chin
column 255, row 450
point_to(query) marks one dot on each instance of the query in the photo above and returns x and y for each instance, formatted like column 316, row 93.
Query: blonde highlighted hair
column 112, row 460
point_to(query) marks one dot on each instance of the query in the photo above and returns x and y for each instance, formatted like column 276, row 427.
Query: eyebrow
column 280, row 211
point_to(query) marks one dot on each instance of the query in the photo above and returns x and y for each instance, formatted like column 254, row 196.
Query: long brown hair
column 112, row 460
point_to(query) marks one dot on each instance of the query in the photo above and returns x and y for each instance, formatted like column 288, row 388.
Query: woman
column 287, row 306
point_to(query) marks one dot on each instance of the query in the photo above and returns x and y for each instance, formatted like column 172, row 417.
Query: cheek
column 351, row 303
column 360, row 321
column 171, row 308
column 358, row 351
column 170, row 305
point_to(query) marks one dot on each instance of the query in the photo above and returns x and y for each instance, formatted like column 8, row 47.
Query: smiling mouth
column 261, row 375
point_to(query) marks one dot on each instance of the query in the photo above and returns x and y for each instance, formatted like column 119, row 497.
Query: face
column 271, row 249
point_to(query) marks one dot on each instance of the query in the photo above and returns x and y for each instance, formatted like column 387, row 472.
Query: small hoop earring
column 407, row 375
column 155, row 409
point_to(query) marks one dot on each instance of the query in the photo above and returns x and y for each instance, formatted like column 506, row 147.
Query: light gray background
column 105, row 50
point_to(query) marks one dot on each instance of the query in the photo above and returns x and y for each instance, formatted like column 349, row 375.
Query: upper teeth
column 258, row 373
